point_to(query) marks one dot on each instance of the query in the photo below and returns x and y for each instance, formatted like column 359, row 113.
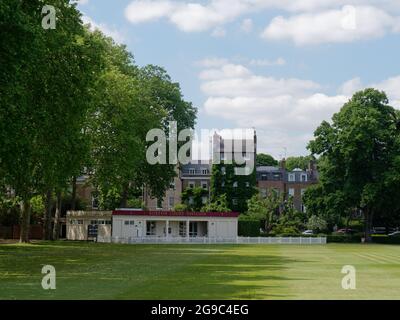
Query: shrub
column 385, row 239
column 248, row 228
column 336, row 238
column 180, row 207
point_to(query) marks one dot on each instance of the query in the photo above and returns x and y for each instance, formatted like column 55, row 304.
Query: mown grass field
column 110, row 271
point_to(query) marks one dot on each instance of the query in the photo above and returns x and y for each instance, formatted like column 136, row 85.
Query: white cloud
column 196, row 16
column 332, row 26
column 351, row 86
column 219, row 32
column 106, row 29
column 246, row 25
column 284, row 111
column 267, row 63
column 390, row 86
column 226, row 71
column 212, row 62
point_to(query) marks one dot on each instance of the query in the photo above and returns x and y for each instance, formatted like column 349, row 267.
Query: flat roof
column 160, row 213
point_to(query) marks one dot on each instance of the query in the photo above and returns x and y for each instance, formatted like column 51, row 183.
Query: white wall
column 217, row 227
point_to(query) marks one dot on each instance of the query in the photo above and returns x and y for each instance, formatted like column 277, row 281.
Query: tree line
column 74, row 102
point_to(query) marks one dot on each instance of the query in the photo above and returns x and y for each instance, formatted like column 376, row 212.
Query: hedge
column 385, row 239
column 343, row 239
column 249, row 228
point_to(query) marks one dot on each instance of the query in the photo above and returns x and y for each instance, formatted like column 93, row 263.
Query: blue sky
column 277, row 65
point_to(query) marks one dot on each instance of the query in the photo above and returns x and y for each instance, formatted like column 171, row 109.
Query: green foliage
column 385, row 239
column 360, row 153
column 248, row 227
column 265, row 209
column 220, row 204
column 224, row 183
column 317, row 224
column 180, row 207
column 263, row 159
column 300, row 162
column 343, row 239
column 136, row 203
column 193, row 198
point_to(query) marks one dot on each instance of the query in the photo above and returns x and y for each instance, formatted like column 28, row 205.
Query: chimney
column 282, row 164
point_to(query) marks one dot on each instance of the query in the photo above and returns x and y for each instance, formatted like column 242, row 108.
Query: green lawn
column 110, row 271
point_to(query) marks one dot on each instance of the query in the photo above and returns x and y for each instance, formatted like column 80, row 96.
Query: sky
column 279, row 66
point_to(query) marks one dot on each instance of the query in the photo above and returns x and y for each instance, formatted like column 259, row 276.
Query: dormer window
column 192, row 171
column 292, row 177
column 304, row 177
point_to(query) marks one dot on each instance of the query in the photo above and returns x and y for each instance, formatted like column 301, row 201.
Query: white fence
column 207, row 240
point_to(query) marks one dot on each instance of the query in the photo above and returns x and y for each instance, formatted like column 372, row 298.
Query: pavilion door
column 137, row 230
column 193, row 229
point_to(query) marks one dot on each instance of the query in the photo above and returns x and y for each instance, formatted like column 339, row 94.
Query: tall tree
column 43, row 104
column 263, row 159
column 361, row 151
column 300, row 162
column 130, row 102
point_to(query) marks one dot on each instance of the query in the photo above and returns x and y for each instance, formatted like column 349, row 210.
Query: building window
column 182, row 228
column 303, row 208
column 74, row 221
column 291, row 192
column 101, row 222
column 131, row 222
column 302, row 192
column 223, row 170
column 171, row 202
column 204, row 185
column 95, row 201
column 235, row 184
column 247, row 184
column 169, row 230
column 204, row 171
column 172, row 185
column 193, row 229
column 223, row 184
column 204, row 200
column 192, row 171
column 150, row 228
column 292, row 177
column 304, row 177
column 234, row 201
column 191, row 184
column 126, row 222
column 108, row 222
column 191, row 200
column 264, row 177
column 93, row 222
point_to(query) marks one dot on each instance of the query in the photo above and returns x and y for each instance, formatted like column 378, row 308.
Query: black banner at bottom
column 202, row 309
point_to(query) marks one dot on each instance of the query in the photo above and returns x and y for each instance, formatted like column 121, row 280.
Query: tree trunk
column 56, row 229
column 47, row 230
column 368, row 216
column 124, row 196
column 73, row 199
column 25, row 221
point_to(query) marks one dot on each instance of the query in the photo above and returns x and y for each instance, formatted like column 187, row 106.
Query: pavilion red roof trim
column 161, row 213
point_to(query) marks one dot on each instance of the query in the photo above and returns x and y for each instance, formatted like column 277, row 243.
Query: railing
column 207, row 240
